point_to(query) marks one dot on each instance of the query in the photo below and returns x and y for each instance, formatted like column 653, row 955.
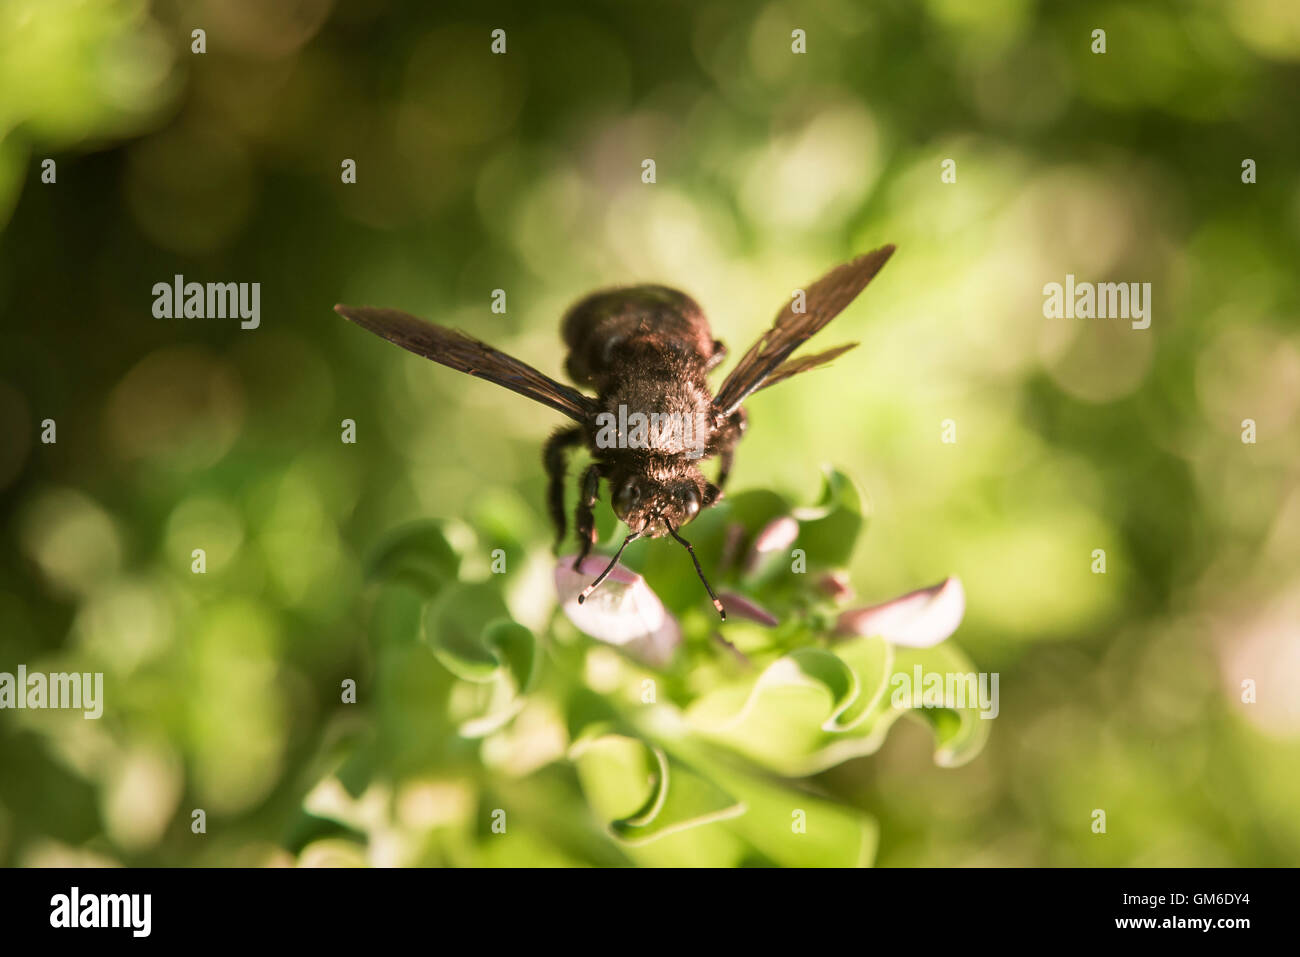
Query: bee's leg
column 719, row 353
column 711, row 494
column 555, row 457
column 585, row 516
column 724, row 446
column 725, row 460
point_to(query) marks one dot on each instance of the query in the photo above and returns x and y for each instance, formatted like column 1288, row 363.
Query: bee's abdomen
column 651, row 326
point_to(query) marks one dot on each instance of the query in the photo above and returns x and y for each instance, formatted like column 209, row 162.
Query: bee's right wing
column 803, row 364
column 825, row 299
column 456, row 350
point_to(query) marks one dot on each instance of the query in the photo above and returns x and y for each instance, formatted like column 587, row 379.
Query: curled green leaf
column 643, row 792
column 829, row 529
column 417, row 554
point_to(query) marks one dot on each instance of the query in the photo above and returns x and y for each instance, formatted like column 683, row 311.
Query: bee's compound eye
column 689, row 499
column 626, row 498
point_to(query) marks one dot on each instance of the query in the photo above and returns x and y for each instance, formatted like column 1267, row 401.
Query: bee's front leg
column 724, row 446
column 554, row 456
column 585, row 516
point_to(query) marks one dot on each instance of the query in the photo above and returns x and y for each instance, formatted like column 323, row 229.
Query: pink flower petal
column 777, row 535
column 918, row 619
column 741, row 607
column 837, row 586
column 623, row 611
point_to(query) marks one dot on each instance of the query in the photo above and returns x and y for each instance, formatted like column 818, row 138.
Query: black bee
column 646, row 351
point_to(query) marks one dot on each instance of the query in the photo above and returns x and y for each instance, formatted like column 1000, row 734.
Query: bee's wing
column 456, row 350
column 825, row 299
column 803, row 364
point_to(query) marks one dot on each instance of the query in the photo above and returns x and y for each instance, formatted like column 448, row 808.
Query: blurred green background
column 1119, row 691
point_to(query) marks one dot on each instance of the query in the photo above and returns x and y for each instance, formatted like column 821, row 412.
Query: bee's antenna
column 608, row 568
column 698, row 570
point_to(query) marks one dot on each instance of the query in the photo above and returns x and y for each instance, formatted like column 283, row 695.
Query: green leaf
column 643, row 792
column 588, row 714
column 307, row 828
column 755, row 508
column 870, row 660
column 797, row 829
column 802, row 710
column 358, row 770
column 828, row 530
column 503, row 520
column 396, row 613
column 959, row 732
column 516, row 648
column 471, row 636
column 501, row 698
column 455, row 627
column 417, row 554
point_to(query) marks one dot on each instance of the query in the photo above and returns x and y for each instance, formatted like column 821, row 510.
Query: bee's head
column 654, row 502
column 644, row 502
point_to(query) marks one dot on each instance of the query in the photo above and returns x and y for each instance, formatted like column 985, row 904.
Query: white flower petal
column 623, row 611
column 777, row 535
column 918, row 619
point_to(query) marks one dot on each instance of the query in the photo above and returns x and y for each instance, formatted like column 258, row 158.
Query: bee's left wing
column 825, row 299
column 456, row 350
